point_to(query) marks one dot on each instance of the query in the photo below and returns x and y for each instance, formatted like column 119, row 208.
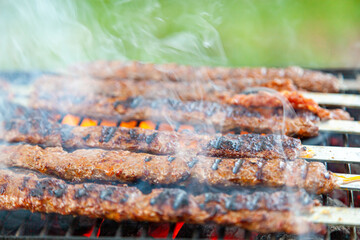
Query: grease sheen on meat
column 299, row 78
column 125, row 166
column 50, row 134
column 56, row 88
column 222, row 117
column 259, row 211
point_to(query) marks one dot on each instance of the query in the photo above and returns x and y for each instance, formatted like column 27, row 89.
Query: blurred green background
column 52, row 34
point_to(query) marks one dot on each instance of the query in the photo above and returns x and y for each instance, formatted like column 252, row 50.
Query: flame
column 108, row 123
column 147, row 125
column 71, row 120
column 89, row 233
column 214, row 235
column 130, row 124
column 346, row 180
column 99, row 230
column 159, row 230
column 87, row 122
column 177, row 228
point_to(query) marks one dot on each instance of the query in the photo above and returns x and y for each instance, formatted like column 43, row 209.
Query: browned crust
column 54, row 89
column 260, row 211
column 124, row 166
column 219, row 116
column 50, row 134
column 302, row 79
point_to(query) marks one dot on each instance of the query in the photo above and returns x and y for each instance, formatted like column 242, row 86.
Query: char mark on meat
column 121, row 202
column 156, row 142
column 125, row 166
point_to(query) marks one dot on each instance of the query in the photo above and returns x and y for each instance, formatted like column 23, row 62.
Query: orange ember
column 130, row 124
column 99, row 230
column 348, row 179
column 147, row 125
column 159, row 230
column 89, row 233
column 71, row 120
column 108, row 123
column 178, row 226
column 87, row 122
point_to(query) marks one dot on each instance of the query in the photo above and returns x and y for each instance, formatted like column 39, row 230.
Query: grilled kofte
column 53, row 88
column 221, row 117
column 125, row 166
column 50, row 134
column 222, row 110
column 238, row 78
column 258, row 211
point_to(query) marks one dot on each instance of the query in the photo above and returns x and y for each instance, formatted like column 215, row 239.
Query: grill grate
column 17, row 224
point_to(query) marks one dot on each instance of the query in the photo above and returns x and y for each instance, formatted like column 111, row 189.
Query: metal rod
column 70, row 230
column 47, row 225
column 332, row 154
column 351, row 84
column 350, row 193
column 340, row 126
column 119, row 230
column 334, row 215
column 334, row 99
column 349, row 186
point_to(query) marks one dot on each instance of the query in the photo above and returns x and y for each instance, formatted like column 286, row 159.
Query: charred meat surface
column 51, row 134
column 125, row 166
column 222, row 117
column 259, row 211
column 251, row 77
column 219, row 91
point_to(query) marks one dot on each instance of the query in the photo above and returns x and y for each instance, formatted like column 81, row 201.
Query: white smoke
column 44, row 34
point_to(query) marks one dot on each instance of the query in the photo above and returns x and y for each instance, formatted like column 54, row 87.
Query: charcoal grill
column 24, row 224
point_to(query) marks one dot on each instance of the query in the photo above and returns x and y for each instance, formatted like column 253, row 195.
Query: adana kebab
column 57, row 88
column 220, row 116
column 51, row 134
column 34, row 129
column 125, row 166
column 301, row 79
column 258, row 211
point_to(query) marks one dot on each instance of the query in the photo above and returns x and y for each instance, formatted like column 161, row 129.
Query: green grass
column 53, row 34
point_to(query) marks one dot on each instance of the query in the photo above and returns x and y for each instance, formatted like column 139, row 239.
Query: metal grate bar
column 196, row 232
column 119, row 230
column 70, row 230
column 340, row 126
column 221, row 232
column 335, row 99
column 332, row 154
column 45, row 230
column 334, row 215
column 350, row 193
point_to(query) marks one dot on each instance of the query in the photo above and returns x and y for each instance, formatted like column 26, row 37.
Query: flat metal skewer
column 332, row 154
column 355, row 185
column 353, row 84
column 334, row 99
column 334, row 215
column 340, row 126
